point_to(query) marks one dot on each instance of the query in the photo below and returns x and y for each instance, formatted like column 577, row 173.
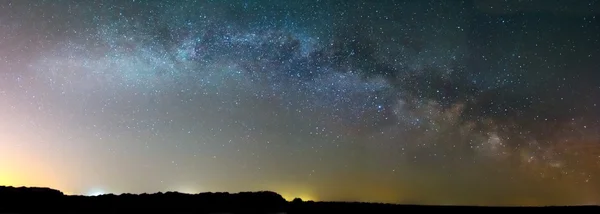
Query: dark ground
column 45, row 200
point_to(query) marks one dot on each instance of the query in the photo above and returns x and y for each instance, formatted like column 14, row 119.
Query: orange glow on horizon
column 292, row 196
column 28, row 176
column 291, row 191
column 20, row 166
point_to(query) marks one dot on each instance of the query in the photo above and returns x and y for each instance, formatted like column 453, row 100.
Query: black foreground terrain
column 45, row 200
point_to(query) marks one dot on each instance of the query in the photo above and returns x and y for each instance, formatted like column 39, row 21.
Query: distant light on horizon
column 96, row 192
column 291, row 197
column 187, row 190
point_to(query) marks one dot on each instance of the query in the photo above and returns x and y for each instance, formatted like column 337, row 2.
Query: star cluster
column 458, row 102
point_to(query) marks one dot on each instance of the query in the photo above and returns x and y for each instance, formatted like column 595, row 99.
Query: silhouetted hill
column 23, row 199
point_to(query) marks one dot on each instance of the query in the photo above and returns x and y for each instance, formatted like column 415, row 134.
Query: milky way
column 397, row 101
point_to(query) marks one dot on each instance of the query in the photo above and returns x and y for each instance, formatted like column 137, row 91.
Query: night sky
column 484, row 102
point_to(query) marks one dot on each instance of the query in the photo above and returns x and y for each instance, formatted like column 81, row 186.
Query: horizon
column 286, row 198
column 104, row 193
column 291, row 198
column 100, row 192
